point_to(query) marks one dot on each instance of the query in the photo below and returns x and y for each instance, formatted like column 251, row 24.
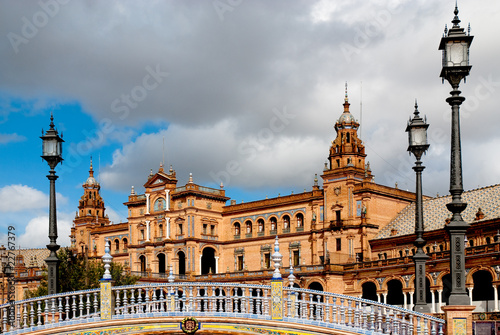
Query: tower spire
column 346, row 100
column 91, row 171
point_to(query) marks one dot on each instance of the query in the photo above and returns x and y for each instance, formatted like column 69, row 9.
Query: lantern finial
column 51, row 120
column 456, row 20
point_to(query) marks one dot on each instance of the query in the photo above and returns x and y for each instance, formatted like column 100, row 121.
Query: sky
column 235, row 91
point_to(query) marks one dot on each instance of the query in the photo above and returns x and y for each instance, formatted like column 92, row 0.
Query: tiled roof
column 436, row 213
column 32, row 257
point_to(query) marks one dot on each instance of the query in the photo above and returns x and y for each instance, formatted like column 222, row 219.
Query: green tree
column 78, row 273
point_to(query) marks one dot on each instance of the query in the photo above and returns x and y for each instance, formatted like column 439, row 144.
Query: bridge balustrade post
column 243, row 301
column 107, row 300
column 327, row 308
column 38, row 312
column 32, row 314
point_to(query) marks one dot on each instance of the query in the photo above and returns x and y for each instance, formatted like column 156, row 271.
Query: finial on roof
column 456, row 20
column 91, row 171
column 346, row 98
column 171, row 169
column 51, row 120
column 132, row 191
column 161, row 167
column 190, row 178
column 315, row 179
column 221, row 185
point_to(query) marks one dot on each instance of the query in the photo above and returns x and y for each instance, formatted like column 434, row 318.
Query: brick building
column 350, row 236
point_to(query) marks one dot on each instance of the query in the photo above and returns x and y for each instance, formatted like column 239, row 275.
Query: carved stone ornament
column 337, row 190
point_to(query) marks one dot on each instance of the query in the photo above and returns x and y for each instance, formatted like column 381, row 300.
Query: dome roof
column 346, row 117
column 91, row 181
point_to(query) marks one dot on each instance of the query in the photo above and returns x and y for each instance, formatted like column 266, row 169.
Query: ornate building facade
column 350, row 236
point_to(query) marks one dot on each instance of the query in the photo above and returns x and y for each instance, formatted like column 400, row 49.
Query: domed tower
column 91, row 207
column 344, row 170
column 347, row 152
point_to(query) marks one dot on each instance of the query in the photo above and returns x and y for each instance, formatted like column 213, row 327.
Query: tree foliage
column 78, row 273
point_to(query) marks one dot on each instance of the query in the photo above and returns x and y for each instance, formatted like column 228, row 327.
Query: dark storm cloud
column 217, row 77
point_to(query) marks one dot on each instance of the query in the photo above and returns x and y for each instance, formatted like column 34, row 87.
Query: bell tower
column 347, row 152
column 344, row 169
column 91, row 205
column 90, row 214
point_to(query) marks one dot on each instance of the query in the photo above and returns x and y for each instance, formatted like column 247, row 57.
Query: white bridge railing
column 300, row 306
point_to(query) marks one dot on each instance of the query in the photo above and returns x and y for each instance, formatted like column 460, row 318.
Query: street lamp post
column 52, row 153
column 455, row 45
column 417, row 145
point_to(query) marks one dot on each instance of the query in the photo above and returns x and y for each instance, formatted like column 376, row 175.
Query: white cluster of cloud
column 215, row 77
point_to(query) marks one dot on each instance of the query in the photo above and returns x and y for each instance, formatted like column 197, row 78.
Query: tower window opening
column 338, row 218
column 240, row 263
column 267, row 260
column 348, row 138
column 296, row 258
column 338, row 162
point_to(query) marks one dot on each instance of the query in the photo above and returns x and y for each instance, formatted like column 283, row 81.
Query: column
column 147, row 203
column 495, row 295
column 470, row 294
column 217, row 264
column 440, row 301
column 167, row 200
column 404, row 300
column 167, row 220
column 433, row 302
column 147, row 231
column 200, row 262
column 385, row 298
column 411, row 300
column 378, row 297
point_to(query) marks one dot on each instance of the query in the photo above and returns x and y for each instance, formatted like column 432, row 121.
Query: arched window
column 160, row 205
column 125, row 243
column 300, row 220
column 274, row 225
column 142, row 260
column 237, row 229
column 286, row 222
column 160, row 230
column 117, row 245
column 260, row 222
column 248, row 227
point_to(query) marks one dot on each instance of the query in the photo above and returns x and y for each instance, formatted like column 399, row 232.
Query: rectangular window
column 338, row 218
column 321, row 213
column 212, row 229
column 180, row 228
column 160, row 230
column 205, row 228
column 142, row 234
column 267, row 260
column 358, row 208
column 339, row 244
column 240, row 263
column 296, row 258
